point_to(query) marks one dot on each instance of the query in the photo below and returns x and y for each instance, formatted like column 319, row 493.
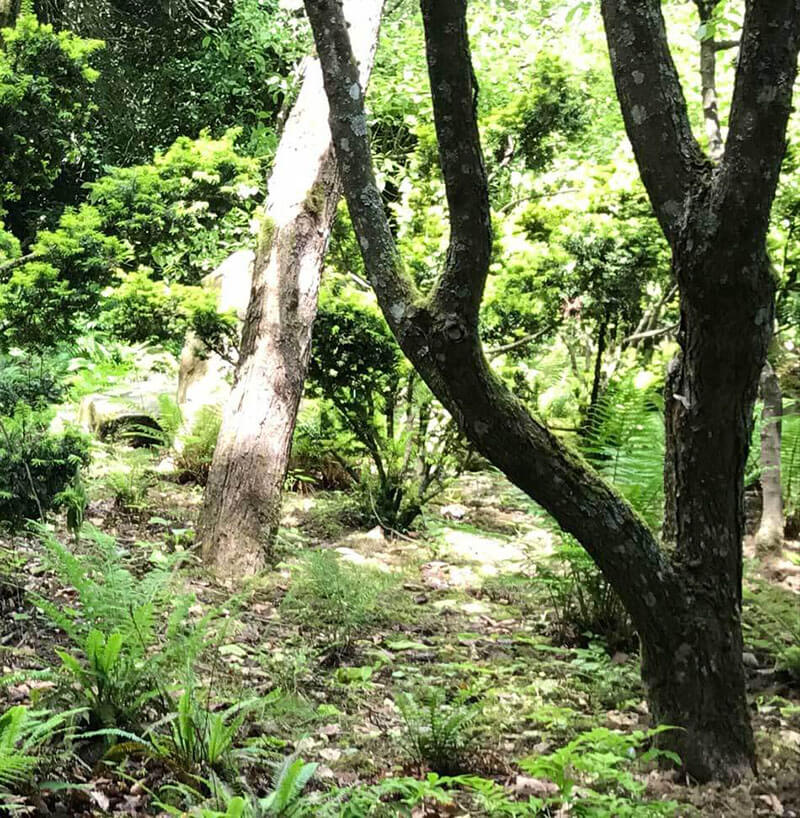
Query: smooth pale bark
column 241, row 508
column 769, row 537
column 687, row 605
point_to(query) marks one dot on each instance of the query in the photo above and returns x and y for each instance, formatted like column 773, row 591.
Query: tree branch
column 653, row 106
column 348, row 123
column 762, row 102
column 446, row 351
column 6, row 266
column 454, row 92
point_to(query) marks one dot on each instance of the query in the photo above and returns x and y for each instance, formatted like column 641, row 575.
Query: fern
column 23, row 735
column 291, row 778
column 130, row 635
column 436, row 731
column 624, row 441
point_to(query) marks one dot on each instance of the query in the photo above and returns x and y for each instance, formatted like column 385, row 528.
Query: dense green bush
column 35, row 464
column 144, row 310
column 170, row 69
column 31, row 379
column 185, row 211
column 146, row 233
column 383, row 411
column 46, row 83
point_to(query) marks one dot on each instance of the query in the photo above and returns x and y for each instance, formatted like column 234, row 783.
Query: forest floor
column 462, row 616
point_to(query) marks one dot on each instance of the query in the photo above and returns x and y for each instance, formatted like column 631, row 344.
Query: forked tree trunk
column 241, row 507
column 685, row 603
column 769, row 537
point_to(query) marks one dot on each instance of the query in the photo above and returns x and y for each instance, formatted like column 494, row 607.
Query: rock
column 204, row 378
column 131, row 412
column 537, row 787
column 454, row 511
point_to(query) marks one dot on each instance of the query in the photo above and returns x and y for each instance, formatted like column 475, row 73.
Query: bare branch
column 454, row 91
column 653, row 106
column 651, row 333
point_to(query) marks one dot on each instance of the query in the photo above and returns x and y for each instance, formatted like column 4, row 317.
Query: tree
column 241, row 507
column 46, row 81
column 686, row 604
column 769, row 537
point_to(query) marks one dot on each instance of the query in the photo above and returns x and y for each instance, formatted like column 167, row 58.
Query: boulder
column 204, row 378
column 131, row 412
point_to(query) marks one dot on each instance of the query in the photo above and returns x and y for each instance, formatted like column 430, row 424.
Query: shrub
column 45, row 109
column 186, row 211
column 31, row 379
column 35, row 464
column 142, row 309
column 381, row 411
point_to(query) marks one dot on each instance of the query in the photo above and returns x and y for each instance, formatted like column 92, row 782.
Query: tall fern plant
column 624, row 440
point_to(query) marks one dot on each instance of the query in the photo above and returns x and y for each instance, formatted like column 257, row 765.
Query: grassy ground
column 446, row 653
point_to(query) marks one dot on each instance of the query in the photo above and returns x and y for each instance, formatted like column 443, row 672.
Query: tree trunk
column 686, row 604
column 699, row 683
column 239, row 519
column 769, row 537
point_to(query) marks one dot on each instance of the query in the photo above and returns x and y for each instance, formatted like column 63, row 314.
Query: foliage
column 436, row 730
column 107, row 679
column 337, row 600
column 36, row 465
column 46, row 83
column 128, row 484
column 197, row 447
column 141, row 309
column 289, row 781
column 594, row 773
column 185, row 211
column 73, row 500
column 131, row 636
column 200, row 739
column 173, row 69
column 139, row 246
column 771, row 624
column 34, row 380
column 582, row 601
column 549, row 114
column 624, row 441
column 23, row 736
column 384, row 408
